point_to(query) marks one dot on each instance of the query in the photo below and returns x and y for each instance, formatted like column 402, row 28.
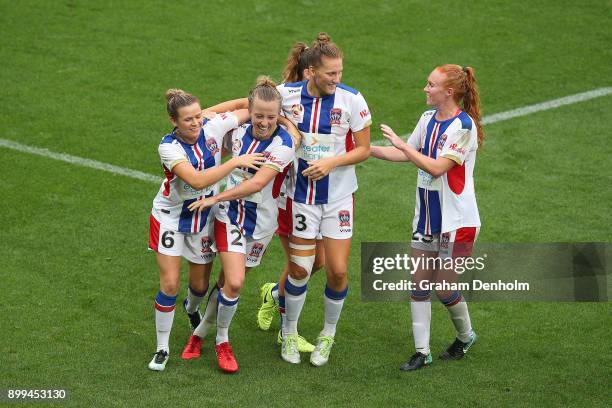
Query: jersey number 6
column 167, row 240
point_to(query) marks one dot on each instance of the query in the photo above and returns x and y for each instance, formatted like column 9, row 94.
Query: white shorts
column 332, row 220
column 453, row 244
column 197, row 248
column 229, row 238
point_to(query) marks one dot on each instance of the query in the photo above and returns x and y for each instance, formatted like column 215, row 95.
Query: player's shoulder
column 291, row 88
column 466, row 120
column 284, row 138
column 168, row 139
column 344, row 88
column 428, row 113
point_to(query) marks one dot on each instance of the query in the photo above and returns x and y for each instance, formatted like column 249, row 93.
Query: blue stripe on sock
column 164, row 300
column 294, row 290
column 225, row 301
column 332, row 294
column 452, row 298
column 281, row 301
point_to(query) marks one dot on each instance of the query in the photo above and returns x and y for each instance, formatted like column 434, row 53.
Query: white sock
column 295, row 295
column 461, row 320
column 274, row 293
column 333, row 302
column 164, row 316
column 225, row 312
column 194, row 299
column 210, row 314
column 421, row 322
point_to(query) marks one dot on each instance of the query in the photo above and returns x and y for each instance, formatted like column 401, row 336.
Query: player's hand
column 390, row 135
column 317, row 169
column 208, row 114
column 252, row 161
column 201, row 205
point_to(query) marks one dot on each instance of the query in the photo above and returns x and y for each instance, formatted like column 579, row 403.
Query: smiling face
column 327, row 75
column 264, row 117
column 189, row 121
column 436, row 93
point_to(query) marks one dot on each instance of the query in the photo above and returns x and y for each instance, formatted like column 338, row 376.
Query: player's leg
column 424, row 248
column 456, row 244
column 168, row 246
column 337, row 229
column 199, row 250
column 273, row 293
column 306, row 223
column 229, row 296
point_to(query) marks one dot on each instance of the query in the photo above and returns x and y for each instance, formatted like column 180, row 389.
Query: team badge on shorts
column 345, row 218
column 212, row 146
column 236, row 146
column 335, row 115
column 256, row 250
column 206, row 245
column 297, row 111
column 444, row 240
column 441, row 141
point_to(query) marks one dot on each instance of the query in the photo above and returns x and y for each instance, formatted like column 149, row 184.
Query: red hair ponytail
column 463, row 83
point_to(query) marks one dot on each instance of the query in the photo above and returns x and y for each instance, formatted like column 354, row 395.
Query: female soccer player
column 273, row 294
column 190, row 158
column 247, row 213
column 335, row 124
column 446, row 222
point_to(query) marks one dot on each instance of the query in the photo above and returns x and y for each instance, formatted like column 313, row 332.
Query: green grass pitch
column 87, row 78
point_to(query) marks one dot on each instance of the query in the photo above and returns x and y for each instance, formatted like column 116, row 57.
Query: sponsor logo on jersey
column 256, row 250
column 335, row 115
column 223, row 116
column 345, row 218
column 294, row 90
column 364, row 113
column 441, row 141
column 273, row 159
column 297, row 111
column 455, row 148
column 236, row 146
column 212, row 146
column 206, row 245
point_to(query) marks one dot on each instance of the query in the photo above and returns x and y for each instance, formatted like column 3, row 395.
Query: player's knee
column 169, row 288
column 297, row 272
column 302, row 260
column 233, row 285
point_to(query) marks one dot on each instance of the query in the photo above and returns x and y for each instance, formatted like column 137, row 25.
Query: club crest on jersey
column 206, row 245
column 256, row 250
column 212, row 146
column 441, row 141
column 297, row 111
column 345, row 218
column 335, row 115
column 236, row 146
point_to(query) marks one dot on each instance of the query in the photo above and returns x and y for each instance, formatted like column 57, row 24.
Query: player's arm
column 435, row 167
column 253, row 185
column 318, row 169
column 202, row 179
column 389, row 153
column 227, row 106
column 292, row 130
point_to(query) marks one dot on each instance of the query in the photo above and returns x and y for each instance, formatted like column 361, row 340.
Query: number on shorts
column 167, row 240
column 238, row 237
column 301, row 222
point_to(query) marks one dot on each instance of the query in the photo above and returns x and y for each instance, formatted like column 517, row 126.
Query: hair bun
column 323, row 38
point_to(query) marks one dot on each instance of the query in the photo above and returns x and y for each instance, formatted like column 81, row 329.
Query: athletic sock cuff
column 334, row 295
